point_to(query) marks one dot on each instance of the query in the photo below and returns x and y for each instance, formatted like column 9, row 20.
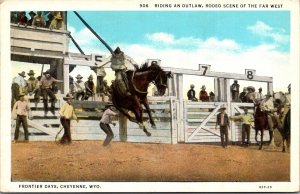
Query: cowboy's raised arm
column 130, row 60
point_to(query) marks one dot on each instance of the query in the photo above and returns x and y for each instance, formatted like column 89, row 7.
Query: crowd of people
column 42, row 19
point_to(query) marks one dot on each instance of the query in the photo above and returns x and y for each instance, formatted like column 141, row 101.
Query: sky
column 229, row 41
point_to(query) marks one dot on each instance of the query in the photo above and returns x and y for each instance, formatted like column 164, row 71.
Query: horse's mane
column 152, row 67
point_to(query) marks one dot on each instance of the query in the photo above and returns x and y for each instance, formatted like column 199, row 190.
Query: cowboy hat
column 268, row 94
column 223, row 106
column 31, row 12
column 251, row 88
column 47, row 72
column 90, row 77
column 21, row 94
column 68, row 96
column 192, row 86
column 117, row 51
column 203, row 87
column 78, row 76
column 31, row 72
column 22, row 74
column 108, row 105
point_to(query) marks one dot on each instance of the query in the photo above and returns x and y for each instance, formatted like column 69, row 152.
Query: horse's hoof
column 153, row 126
column 148, row 133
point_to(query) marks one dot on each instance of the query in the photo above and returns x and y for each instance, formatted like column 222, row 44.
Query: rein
column 134, row 86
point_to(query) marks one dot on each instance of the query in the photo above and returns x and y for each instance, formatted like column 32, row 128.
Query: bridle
column 160, row 83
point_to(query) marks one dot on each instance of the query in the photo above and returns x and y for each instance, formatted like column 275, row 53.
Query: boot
column 123, row 89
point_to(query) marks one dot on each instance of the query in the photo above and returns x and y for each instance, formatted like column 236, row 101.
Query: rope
column 97, row 36
column 57, row 135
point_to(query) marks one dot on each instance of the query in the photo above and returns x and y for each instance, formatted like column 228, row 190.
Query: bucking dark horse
column 139, row 81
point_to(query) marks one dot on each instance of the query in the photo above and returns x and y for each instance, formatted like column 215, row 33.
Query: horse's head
column 161, row 81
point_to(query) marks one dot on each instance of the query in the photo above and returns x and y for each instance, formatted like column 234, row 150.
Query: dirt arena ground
column 90, row 161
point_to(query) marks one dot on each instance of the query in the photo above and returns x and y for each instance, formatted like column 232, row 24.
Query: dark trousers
column 79, row 94
column 21, row 119
column 235, row 96
column 100, row 84
column 109, row 134
column 48, row 92
column 66, row 138
column 224, row 134
column 246, row 133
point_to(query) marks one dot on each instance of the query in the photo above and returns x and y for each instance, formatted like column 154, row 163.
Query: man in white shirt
column 104, row 123
column 21, row 110
column 259, row 96
column 267, row 105
column 79, row 88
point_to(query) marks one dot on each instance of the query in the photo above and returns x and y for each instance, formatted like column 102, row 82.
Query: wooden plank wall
column 88, row 127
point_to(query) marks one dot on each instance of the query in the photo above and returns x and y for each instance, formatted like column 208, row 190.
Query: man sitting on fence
column 89, row 88
column 67, row 113
column 203, row 96
column 79, row 88
column 191, row 93
column 33, row 86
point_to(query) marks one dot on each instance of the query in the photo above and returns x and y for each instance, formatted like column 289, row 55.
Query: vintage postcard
column 149, row 96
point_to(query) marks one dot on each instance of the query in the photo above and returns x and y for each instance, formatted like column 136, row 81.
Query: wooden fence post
column 123, row 127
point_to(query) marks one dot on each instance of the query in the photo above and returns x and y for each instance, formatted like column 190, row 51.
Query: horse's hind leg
column 147, row 132
column 256, row 132
column 284, row 141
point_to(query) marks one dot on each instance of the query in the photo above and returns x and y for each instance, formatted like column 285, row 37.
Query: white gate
column 200, row 121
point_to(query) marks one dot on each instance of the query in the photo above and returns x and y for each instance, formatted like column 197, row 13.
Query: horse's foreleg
column 261, row 139
column 146, row 104
column 124, row 111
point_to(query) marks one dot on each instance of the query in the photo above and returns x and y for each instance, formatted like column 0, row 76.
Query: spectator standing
column 39, row 20
column 57, row 21
column 246, row 119
column 67, row 113
column 203, row 96
column 105, row 121
column 46, row 89
column 32, row 14
column 22, row 19
column 21, row 111
column 100, row 73
column 235, row 90
column 223, row 122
